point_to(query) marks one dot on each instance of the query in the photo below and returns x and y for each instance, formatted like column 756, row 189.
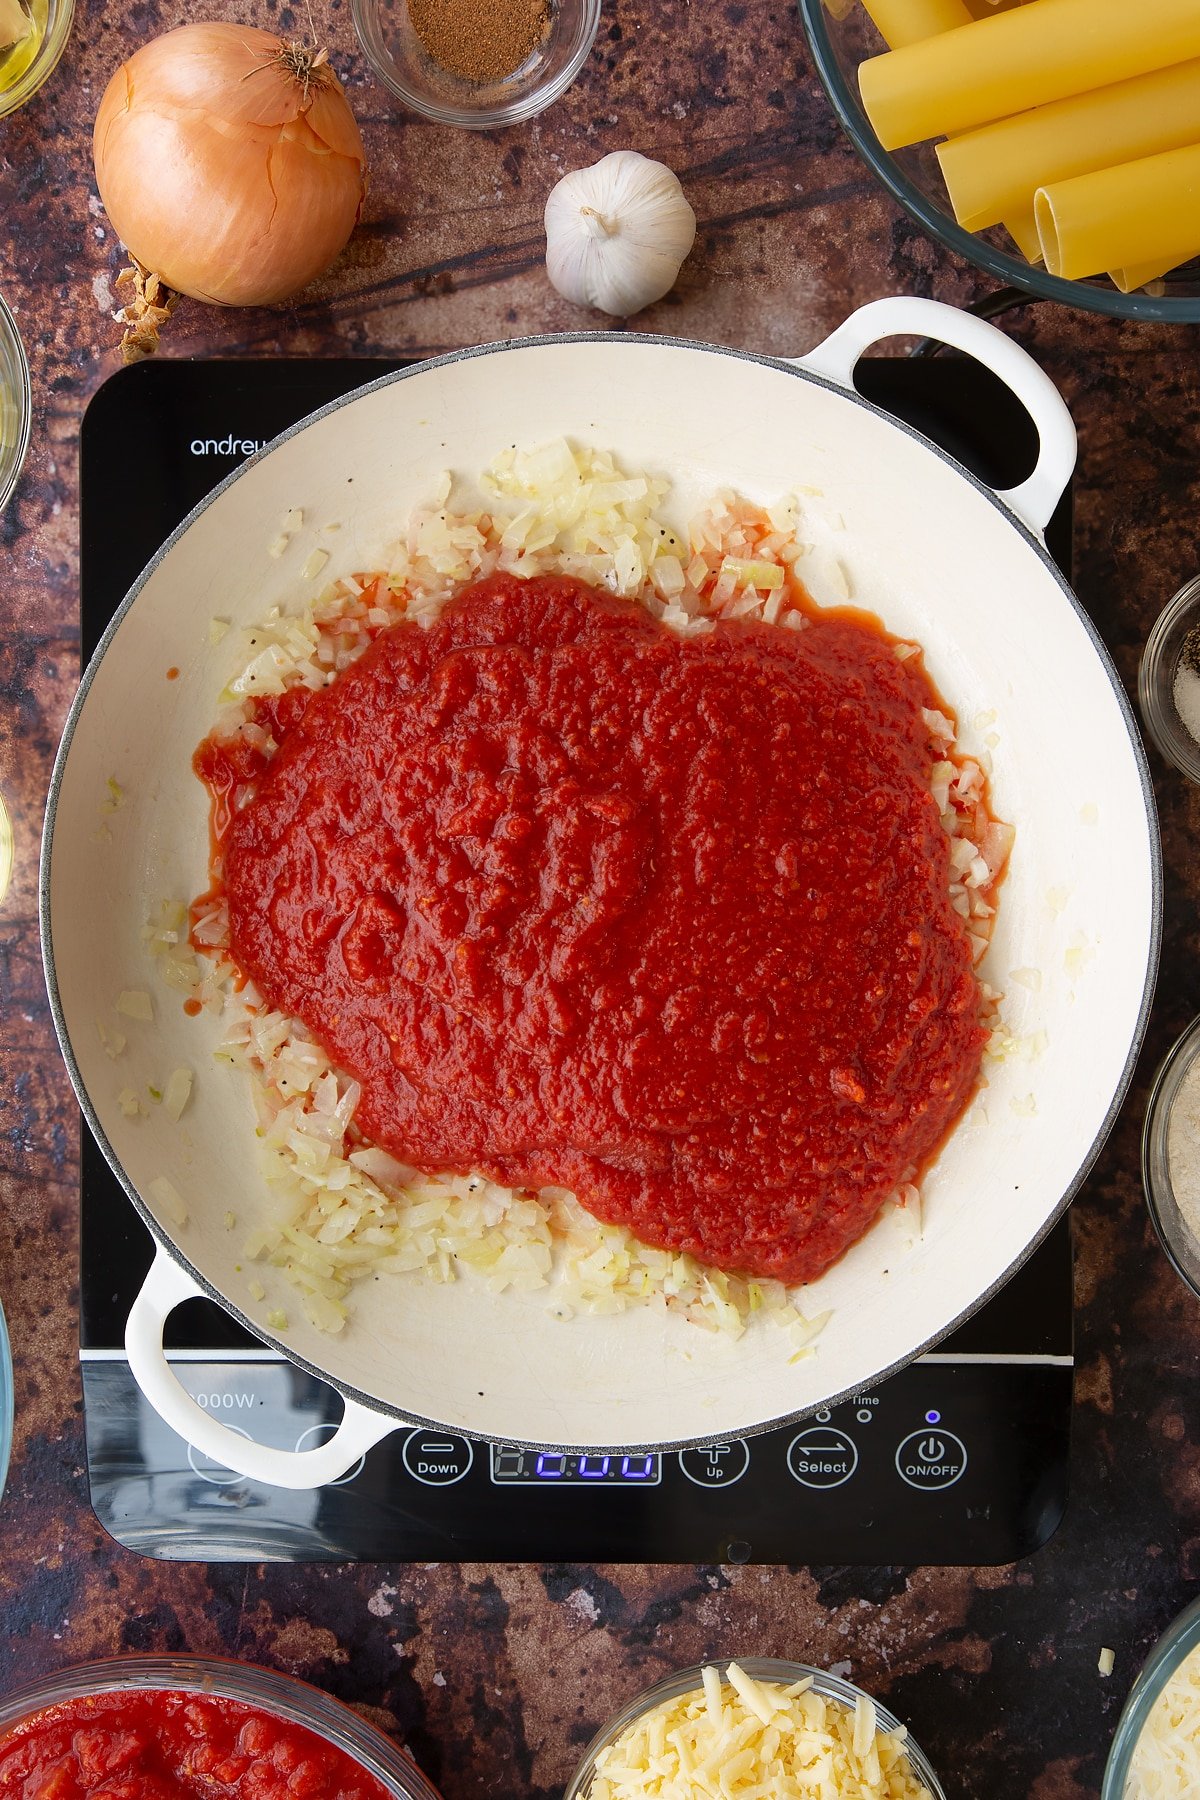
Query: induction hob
column 961, row 1458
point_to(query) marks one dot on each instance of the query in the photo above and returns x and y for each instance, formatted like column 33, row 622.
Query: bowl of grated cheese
column 1155, row 1752
column 752, row 1728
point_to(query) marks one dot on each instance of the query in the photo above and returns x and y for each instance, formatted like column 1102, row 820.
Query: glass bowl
column 282, row 1695
column 1156, row 679
column 761, row 1668
column 34, row 61
column 16, row 404
column 386, row 32
column 1180, row 1242
column 1177, row 1641
column 6, row 1402
column 913, row 177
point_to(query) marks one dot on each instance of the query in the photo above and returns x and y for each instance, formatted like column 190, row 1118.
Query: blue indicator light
column 547, row 1471
column 933, row 1418
column 593, row 1474
column 630, row 1471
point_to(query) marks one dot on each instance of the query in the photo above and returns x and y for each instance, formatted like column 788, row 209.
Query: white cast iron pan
column 941, row 558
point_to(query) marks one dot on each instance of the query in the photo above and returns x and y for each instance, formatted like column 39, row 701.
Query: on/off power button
column 931, row 1459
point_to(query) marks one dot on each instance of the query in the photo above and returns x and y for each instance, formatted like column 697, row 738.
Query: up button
column 931, row 1459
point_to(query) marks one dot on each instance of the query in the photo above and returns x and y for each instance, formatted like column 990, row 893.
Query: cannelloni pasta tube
column 901, row 22
column 1137, row 275
column 1027, row 57
column 993, row 172
column 1021, row 227
column 1140, row 213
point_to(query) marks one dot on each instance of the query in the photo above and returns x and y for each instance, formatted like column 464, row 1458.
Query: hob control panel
column 947, row 1461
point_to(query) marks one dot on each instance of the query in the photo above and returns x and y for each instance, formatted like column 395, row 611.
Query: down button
column 437, row 1458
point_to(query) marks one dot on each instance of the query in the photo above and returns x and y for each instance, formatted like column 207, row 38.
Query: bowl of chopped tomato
column 177, row 1727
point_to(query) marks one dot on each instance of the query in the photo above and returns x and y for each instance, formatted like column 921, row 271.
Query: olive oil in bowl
column 33, row 35
column 22, row 33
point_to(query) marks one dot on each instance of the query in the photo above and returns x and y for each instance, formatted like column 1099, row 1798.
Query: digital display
column 572, row 1468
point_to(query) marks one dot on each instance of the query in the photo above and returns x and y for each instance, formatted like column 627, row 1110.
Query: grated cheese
column 1166, row 1758
column 746, row 1739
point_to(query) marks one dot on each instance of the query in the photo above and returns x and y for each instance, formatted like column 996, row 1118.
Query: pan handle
column 904, row 315
column 166, row 1287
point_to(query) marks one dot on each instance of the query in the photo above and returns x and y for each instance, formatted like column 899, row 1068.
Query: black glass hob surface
column 961, row 1458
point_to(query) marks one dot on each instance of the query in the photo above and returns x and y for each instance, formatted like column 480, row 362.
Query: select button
column 822, row 1457
column 930, row 1460
column 437, row 1458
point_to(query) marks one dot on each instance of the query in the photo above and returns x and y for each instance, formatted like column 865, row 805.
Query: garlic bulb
column 617, row 232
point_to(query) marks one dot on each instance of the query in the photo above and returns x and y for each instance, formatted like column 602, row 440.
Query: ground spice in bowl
column 480, row 40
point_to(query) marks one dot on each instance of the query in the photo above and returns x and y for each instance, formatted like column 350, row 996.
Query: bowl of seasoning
column 1156, row 1747
column 460, row 63
column 1171, row 1155
column 758, row 1725
column 1169, row 680
column 16, row 404
column 187, row 1726
column 33, row 35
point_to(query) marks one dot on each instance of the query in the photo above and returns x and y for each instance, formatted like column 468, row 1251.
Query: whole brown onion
column 229, row 162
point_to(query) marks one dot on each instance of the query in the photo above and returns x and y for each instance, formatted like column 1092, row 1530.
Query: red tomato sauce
column 582, row 903
column 163, row 1744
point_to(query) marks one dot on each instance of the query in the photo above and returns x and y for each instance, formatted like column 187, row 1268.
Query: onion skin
column 225, row 173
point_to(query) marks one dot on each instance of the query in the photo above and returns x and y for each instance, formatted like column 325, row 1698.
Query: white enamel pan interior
column 941, row 559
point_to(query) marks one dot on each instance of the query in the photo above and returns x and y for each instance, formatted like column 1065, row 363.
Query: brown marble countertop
column 495, row 1675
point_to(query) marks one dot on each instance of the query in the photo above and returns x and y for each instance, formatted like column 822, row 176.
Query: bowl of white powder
column 1169, row 681
column 1171, row 1155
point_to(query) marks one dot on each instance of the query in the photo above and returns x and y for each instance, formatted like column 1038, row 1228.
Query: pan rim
column 784, row 366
